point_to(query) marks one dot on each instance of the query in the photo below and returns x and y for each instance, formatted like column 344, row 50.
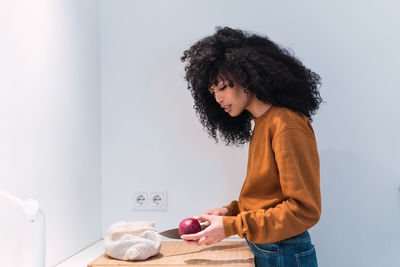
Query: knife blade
column 174, row 233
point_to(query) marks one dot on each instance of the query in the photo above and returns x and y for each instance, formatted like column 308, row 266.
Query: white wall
column 151, row 138
column 50, row 124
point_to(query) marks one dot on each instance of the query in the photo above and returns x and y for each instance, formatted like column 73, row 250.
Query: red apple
column 189, row 226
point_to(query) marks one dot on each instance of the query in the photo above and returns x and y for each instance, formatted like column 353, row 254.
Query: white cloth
column 132, row 240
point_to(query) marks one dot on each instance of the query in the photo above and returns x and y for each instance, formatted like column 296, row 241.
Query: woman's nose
column 218, row 98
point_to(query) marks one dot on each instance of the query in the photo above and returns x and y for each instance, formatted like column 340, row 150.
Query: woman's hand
column 214, row 233
column 217, row 211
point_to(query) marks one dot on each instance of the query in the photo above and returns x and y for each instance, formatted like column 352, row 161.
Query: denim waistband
column 303, row 237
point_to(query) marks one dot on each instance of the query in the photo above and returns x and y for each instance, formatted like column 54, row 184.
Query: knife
column 174, row 233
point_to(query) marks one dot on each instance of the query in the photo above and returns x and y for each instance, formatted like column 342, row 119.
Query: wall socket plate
column 140, row 200
column 158, row 200
column 153, row 200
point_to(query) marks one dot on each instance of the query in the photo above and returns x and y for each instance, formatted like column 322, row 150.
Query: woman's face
column 231, row 96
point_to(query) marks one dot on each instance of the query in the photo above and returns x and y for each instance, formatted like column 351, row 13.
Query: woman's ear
column 247, row 91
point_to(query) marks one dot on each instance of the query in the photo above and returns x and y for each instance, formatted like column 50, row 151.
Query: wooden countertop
column 177, row 253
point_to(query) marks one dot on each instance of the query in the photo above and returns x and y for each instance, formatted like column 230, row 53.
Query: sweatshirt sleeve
column 297, row 160
column 233, row 208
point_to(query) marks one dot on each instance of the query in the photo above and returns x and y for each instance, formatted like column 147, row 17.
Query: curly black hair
column 271, row 72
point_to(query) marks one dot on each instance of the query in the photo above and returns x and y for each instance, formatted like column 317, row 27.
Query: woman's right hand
column 216, row 211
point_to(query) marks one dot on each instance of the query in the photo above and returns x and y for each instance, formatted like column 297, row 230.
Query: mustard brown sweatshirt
column 280, row 196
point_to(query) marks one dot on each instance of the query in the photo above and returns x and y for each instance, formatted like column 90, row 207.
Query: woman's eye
column 222, row 88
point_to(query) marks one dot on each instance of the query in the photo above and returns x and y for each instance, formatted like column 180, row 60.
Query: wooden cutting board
column 178, row 253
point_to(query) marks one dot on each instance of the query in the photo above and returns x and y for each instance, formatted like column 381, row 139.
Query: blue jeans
column 295, row 251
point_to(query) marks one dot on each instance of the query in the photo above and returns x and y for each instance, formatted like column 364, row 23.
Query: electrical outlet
column 155, row 200
column 140, row 200
column 158, row 200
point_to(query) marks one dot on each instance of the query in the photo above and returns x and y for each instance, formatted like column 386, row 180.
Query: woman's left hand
column 214, row 233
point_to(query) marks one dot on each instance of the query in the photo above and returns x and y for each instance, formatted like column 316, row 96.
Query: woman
column 236, row 77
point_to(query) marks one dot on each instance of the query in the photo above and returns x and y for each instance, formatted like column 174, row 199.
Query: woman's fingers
column 197, row 239
column 203, row 219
